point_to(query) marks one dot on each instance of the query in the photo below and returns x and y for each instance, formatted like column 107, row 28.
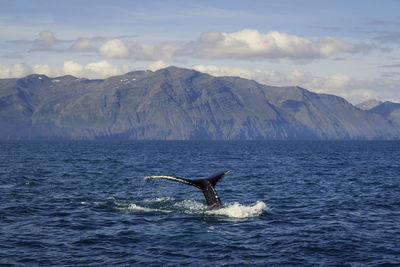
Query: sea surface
column 285, row 204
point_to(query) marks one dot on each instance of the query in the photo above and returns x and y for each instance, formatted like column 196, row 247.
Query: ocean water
column 285, row 204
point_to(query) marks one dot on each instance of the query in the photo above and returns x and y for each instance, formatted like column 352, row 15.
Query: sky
column 346, row 48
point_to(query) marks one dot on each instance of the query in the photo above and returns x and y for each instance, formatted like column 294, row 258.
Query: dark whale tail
column 207, row 186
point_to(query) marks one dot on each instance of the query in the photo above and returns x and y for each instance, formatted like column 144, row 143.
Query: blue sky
column 347, row 48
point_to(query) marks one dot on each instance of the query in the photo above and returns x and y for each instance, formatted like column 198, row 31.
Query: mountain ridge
column 369, row 104
column 178, row 104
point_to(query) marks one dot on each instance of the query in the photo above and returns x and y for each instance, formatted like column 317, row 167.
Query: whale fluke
column 206, row 185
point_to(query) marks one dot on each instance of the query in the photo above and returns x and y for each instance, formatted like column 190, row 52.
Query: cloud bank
column 99, row 69
column 253, row 45
column 246, row 44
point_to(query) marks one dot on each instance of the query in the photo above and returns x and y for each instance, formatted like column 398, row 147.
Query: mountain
column 390, row 111
column 179, row 104
column 367, row 105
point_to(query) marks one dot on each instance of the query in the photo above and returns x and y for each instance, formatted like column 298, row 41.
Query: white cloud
column 252, row 45
column 46, row 38
column 16, row 70
column 82, row 44
column 100, row 69
column 72, row 68
column 47, row 42
column 154, row 52
column 114, row 48
column 247, row 44
column 117, row 49
column 125, row 68
column 156, row 65
column 45, row 69
column 328, row 46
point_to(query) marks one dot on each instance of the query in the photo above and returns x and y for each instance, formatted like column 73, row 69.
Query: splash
column 237, row 210
column 234, row 210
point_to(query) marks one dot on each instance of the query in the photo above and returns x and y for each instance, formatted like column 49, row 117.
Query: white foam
column 137, row 207
column 237, row 210
column 134, row 207
column 190, row 206
column 159, row 199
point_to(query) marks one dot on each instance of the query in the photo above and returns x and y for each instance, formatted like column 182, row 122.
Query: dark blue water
column 286, row 203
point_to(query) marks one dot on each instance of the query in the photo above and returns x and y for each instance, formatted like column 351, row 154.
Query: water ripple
column 285, row 203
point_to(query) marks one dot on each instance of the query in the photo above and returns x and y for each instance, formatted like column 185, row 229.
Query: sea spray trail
column 193, row 207
column 285, row 204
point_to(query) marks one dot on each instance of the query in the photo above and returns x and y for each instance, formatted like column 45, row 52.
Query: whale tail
column 207, row 186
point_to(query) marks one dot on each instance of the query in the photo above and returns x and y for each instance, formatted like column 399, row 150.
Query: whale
column 206, row 185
